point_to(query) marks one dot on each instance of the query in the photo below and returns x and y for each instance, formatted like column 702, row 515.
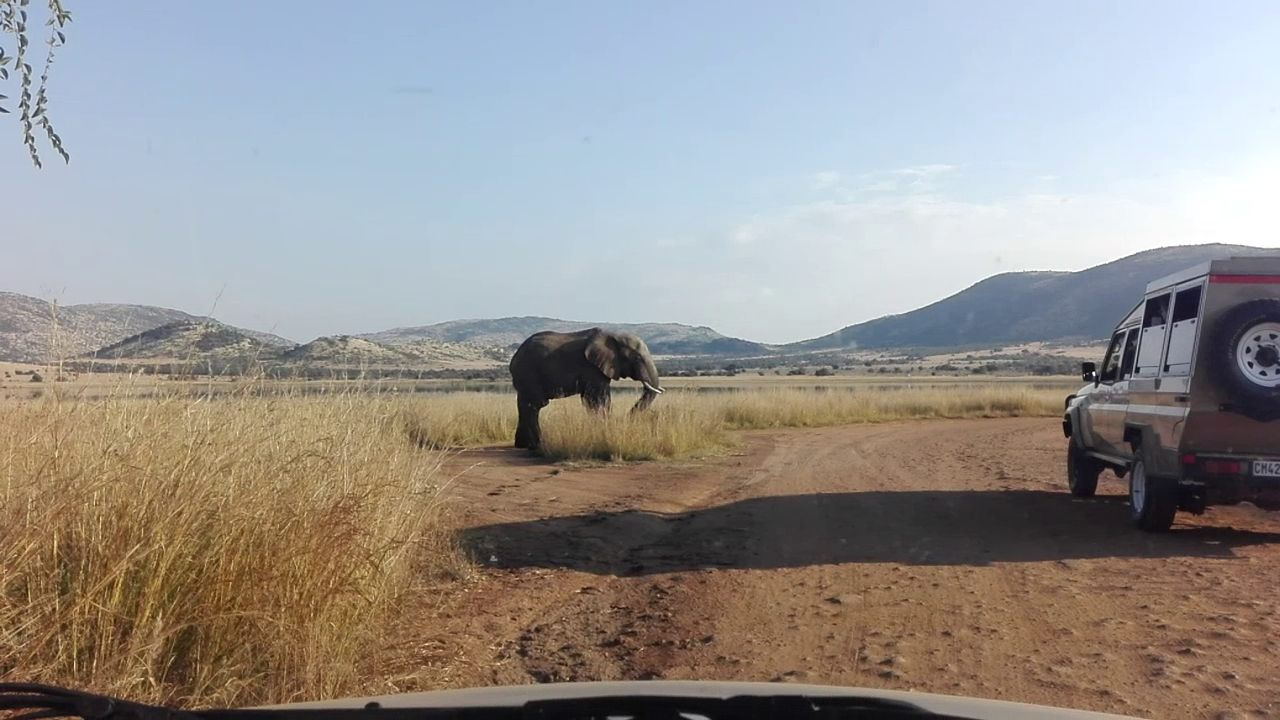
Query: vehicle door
column 1122, row 394
column 1102, row 413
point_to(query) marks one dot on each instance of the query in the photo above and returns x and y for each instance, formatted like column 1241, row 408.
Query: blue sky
column 773, row 170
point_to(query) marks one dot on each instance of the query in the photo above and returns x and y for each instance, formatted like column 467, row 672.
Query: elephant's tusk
column 651, row 388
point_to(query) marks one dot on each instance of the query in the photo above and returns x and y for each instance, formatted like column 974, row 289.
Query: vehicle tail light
column 1222, row 467
column 1189, row 459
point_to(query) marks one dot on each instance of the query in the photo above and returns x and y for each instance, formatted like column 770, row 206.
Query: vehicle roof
column 1252, row 265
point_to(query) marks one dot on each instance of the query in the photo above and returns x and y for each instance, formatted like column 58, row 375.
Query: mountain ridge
column 662, row 338
column 1010, row 307
column 1028, row 305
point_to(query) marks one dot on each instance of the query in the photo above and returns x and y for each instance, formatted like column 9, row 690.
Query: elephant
column 550, row 365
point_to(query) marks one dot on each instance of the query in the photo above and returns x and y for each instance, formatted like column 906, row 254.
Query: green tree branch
column 33, row 106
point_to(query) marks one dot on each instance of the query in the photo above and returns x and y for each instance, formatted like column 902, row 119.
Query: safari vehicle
column 1187, row 402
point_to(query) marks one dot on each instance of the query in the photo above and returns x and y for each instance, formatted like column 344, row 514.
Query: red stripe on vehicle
column 1245, row 279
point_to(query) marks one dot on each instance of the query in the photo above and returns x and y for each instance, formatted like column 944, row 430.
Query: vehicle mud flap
column 1161, row 461
column 1162, row 473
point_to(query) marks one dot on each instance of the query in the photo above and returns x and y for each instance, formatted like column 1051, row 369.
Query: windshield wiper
column 44, row 701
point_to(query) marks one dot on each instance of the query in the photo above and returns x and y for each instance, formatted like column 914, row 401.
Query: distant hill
column 1025, row 306
column 353, row 352
column 1002, row 309
column 662, row 338
column 27, row 324
column 198, row 341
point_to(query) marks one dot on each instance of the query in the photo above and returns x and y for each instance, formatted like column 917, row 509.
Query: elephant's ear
column 602, row 352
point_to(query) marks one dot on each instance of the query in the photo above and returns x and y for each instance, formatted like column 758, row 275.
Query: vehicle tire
column 1153, row 501
column 1245, row 359
column 1082, row 472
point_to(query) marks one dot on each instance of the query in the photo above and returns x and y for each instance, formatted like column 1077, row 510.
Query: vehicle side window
column 1111, row 362
column 1182, row 331
column 1156, row 312
column 1155, row 319
column 1130, row 354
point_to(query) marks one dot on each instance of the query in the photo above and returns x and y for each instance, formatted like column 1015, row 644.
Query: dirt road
column 939, row 556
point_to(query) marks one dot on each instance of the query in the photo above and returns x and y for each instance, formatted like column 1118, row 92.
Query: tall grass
column 683, row 424
column 229, row 551
column 251, row 549
column 461, row 419
column 677, row 429
column 798, row 408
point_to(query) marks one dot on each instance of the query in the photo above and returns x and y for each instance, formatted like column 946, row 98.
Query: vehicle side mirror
column 1089, row 372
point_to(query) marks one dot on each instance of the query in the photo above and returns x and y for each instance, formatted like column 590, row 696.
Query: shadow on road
column 911, row 528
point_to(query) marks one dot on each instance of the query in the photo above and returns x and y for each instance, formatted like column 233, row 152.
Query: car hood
column 519, row 694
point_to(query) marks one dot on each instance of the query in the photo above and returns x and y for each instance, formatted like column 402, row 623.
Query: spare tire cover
column 1245, row 357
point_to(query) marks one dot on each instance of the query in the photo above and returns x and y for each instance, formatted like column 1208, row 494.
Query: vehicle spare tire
column 1246, row 356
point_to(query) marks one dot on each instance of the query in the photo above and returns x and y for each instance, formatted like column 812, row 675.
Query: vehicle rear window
column 1187, row 304
column 1182, row 334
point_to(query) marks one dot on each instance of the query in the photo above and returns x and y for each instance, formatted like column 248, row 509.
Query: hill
column 354, row 352
column 26, row 327
column 197, row 341
column 1027, row 306
column 662, row 338
column 1003, row 309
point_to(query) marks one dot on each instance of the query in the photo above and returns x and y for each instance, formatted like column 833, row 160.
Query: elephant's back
column 533, row 347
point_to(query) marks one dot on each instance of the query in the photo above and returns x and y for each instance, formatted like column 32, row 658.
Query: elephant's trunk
column 648, row 376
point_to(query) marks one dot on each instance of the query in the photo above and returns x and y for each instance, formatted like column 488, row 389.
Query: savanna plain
column 269, row 542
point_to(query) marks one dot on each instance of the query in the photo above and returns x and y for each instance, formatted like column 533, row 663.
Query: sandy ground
column 940, row 556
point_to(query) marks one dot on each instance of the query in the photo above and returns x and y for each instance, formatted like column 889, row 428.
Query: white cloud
column 916, row 179
column 826, row 179
column 930, row 170
column 839, row 261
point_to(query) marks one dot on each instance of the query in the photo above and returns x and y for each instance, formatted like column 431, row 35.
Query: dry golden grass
column 459, row 419
column 237, row 550
column 799, row 408
column 250, row 549
column 683, row 424
column 681, row 428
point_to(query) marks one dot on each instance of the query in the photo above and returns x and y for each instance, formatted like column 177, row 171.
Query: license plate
column 1266, row 468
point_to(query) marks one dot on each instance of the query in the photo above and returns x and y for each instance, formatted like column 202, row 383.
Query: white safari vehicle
column 1187, row 401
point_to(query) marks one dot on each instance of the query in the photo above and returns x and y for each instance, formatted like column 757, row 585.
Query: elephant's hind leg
column 528, row 433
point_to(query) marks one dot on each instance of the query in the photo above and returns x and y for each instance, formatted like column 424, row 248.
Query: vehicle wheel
column 1082, row 472
column 1246, row 356
column 1153, row 501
